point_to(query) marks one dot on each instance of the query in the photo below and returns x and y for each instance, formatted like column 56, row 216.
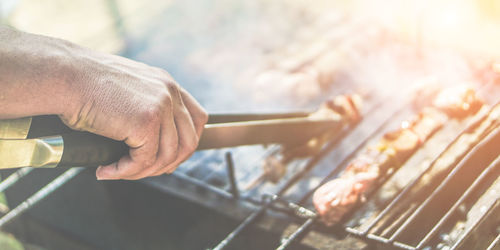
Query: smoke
column 242, row 56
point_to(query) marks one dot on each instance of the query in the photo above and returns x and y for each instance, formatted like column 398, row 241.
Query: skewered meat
column 442, row 166
column 335, row 198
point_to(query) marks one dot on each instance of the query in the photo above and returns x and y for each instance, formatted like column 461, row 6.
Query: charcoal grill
column 219, row 180
column 471, row 202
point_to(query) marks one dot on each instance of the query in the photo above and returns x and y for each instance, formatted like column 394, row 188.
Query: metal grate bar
column 492, row 168
column 40, row 195
column 202, row 184
column 296, row 234
column 408, row 187
column 495, row 243
column 445, row 182
column 476, row 224
column 247, row 222
column 13, row 178
column 286, row 242
column 230, row 175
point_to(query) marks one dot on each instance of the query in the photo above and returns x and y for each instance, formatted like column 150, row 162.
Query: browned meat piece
column 458, row 101
column 428, row 119
column 335, row 198
column 371, row 159
column 401, row 143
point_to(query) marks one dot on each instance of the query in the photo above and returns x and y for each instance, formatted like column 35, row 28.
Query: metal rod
column 487, row 172
column 443, row 184
column 277, row 131
column 230, row 175
column 40, row 195
column 304, row 228
column 13, row 178
column 403, row 246
column 202, row 184
column 496, row 241
column 248, row 221
column 470, row 229
column 239, row 117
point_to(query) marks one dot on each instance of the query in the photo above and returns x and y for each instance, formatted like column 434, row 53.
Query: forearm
column 33, row 75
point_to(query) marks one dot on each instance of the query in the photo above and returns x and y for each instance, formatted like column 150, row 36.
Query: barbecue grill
column 458, row 209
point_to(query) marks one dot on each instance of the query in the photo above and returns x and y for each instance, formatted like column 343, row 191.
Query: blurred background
column 230, row 54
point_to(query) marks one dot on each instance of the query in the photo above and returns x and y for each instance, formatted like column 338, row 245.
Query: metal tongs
column 46, row 142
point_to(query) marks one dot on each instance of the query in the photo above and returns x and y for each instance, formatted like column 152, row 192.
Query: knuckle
column 172, row 86
column 166, row 99
column 152, row 113
column 203, row 117
column 163, row 100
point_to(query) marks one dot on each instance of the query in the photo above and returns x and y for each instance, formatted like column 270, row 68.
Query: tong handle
column 86, row 149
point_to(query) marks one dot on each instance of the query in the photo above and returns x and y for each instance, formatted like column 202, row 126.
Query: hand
column 138, row 104
column 103, row 94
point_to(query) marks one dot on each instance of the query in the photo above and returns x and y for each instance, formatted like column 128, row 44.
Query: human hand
column 132, row 102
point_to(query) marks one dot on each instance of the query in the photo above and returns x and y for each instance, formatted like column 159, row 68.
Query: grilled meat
column 445, row 163
column 335, row 198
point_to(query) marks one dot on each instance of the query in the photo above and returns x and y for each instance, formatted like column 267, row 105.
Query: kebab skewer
column 336, row 197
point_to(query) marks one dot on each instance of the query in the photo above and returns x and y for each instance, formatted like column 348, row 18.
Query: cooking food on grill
column 344, row 108
column 440, row 168
column 335, row 198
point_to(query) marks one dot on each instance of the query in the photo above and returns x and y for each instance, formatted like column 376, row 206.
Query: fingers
column 187, row 134
column 168, row 148
column 141, row 156
column 198, row 114
column 172, row 140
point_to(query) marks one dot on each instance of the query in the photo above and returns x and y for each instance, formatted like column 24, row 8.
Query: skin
column 104, row 94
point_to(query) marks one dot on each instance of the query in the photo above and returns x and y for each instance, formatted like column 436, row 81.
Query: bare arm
column 103, row 94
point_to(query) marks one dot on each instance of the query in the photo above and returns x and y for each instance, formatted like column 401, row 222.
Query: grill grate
column 491, row 170
column 278, row 204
